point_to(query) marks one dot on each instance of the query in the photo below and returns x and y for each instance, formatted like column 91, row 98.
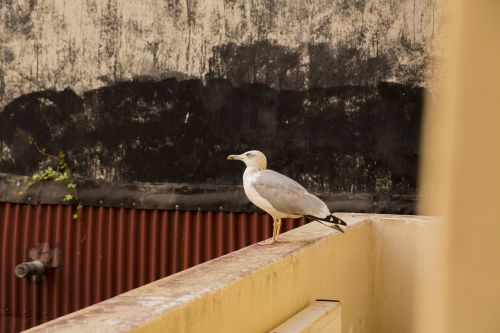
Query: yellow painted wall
column 333, row 268
column 462, row 163
column 369, row 269
column 402, row 251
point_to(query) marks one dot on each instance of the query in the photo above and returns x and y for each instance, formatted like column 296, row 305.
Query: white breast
column 248, row 178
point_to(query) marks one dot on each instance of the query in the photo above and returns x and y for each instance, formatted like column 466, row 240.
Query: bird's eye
column 249, row 154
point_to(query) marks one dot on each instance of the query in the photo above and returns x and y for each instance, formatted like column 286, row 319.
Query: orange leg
column 275, row 230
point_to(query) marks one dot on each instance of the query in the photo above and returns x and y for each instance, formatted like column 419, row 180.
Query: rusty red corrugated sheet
column 109, row 251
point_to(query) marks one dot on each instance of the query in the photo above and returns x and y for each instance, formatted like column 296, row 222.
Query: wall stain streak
column 93, row 43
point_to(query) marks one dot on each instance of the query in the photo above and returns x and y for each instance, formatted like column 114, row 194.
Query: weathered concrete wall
column 332, row 84
column 284, row 44
column 332, row 140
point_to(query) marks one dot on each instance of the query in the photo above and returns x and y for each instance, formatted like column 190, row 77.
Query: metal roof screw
column 176, row 206
column 100, row 202
column 29, row 198
column 220, row 208
column 133, row 203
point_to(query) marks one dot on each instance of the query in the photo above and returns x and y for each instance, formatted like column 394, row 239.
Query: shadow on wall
column 342, row 139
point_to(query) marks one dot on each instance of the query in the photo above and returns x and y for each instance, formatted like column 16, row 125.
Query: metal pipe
column 30, row 268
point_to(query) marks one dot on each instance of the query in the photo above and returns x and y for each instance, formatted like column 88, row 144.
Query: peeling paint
column 162, row 91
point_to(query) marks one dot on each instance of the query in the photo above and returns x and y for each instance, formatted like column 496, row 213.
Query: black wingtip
column 329, row 219
column 336, row 220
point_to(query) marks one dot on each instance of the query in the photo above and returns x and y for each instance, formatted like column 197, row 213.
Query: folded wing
column 288, row 196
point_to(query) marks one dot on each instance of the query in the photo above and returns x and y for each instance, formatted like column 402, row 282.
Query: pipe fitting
column 30, row 268
column 41, row 258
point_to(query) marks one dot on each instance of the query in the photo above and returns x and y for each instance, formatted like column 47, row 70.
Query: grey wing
column 288, row 196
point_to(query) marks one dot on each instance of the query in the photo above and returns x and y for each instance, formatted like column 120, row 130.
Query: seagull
column 280, row 196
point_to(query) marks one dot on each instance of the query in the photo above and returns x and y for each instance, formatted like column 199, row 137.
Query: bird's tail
column 330, row 219
column 335, row 221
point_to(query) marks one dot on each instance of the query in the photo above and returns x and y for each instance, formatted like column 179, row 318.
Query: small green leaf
column 71, row 185
column 79, row 206
column 75, row 216
column 68, row 197
column 61, row 177
column 45, row 175
column 20, row 193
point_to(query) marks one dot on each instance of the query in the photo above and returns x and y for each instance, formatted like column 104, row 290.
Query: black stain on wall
column 350, row 132
column 348, row 63
column 262, row 61
column 345, row 139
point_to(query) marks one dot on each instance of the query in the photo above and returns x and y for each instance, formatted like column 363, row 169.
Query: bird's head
column 252, row 159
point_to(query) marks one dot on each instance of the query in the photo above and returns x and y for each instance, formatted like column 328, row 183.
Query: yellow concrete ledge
column 319, row 317
column 369, row 269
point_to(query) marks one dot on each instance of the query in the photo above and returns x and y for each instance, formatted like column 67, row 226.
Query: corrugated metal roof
column 109, row 251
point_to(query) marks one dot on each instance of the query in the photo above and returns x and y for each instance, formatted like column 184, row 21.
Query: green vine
column 60, row 173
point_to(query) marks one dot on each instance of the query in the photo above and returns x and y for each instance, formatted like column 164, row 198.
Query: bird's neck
column 253, row 169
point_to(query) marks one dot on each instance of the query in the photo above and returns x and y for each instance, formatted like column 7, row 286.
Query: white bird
column 280, row 196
